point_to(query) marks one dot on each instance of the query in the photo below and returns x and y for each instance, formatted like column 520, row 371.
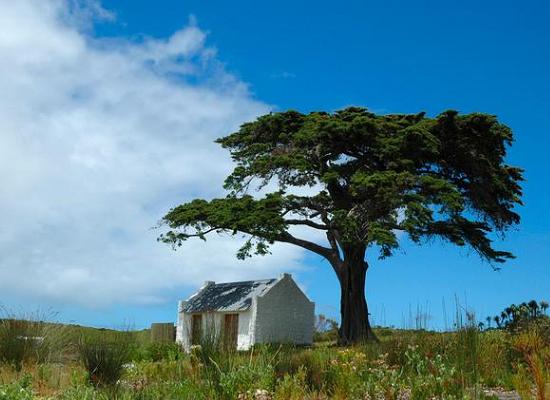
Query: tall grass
column 412, row 364
column 466, row 348
column 104, row 356
column 533, row 345
column 30, row 338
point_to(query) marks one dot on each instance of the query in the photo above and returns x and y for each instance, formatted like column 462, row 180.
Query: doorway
column 231, row 330
column 196, row 329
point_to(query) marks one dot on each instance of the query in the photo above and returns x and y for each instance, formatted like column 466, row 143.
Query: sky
column 108, row 112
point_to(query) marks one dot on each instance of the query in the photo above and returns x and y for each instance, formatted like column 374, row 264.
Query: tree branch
column 329, row 254
column 306, row 222
column 201, row 233
column 332, row 240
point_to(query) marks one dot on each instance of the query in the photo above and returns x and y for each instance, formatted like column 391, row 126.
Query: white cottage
column 246, row 313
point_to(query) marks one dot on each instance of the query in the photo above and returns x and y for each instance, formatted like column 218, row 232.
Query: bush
column 244, row 378
column 495, row 358
column 104, row 356
column 29, row 339
column 292, row 387
column 326, row 329
column 429, row 377
column 20, row 390
column 519, row 317
column 536, row 358
column 158, row 352
column 15, row 348
column 313, row 362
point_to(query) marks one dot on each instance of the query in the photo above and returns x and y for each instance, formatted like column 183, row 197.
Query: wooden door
column 196, row 329
column 231, row 329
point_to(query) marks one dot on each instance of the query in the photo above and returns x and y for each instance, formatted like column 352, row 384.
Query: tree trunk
column 355, row 326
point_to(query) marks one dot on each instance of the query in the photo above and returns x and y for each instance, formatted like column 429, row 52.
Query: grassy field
column 54, row 361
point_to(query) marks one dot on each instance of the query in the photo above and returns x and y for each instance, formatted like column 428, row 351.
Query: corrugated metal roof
column 231, row 296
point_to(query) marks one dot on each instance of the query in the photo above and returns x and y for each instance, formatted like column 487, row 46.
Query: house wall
column 244, row 340
column 283, row 315
column 183, row 327
column 212, row 323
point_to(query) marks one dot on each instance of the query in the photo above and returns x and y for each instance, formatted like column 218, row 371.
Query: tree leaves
column 378, row 174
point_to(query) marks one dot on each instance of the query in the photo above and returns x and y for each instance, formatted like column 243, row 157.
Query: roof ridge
column 243, row 282
column 227, row 296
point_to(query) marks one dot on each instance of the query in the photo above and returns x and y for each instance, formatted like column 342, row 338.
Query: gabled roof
column 231, row 296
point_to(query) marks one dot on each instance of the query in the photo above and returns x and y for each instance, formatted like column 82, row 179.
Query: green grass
column 415, row 364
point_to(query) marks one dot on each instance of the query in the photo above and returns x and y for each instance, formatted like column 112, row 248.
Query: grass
column 405, row 364
column 104, row 357
column 28, row 339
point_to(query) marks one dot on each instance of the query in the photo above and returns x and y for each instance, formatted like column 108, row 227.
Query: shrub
column 536, row 354
column 326, row 329
column 289, row 362
column 28, row 338
column 378, row 381
column 244, row 378
column 431, row 377
column 104, row 356
column 20, row 390
column 519, row 317
column 494, row 361
column 149, row 372
column 158, row 352
column 15, row 348
column 292, row 387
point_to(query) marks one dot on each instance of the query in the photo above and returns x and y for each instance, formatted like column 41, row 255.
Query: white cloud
column 98, row 138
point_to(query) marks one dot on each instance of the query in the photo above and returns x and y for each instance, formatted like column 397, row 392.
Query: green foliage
column 315, row 364
column 326, row 329
column 259, row 218
column 534, row 346
column 158, row 352
column 429, row 177
column 520, row 317
column 243, row 378
column 466, row 348
column 432, row 377
column 404, row 364
column 366, row 177
column 104, row 357
column 15, row 348
column 29, row 339
column 494, row 359
column 20, row 390
column 292, row 387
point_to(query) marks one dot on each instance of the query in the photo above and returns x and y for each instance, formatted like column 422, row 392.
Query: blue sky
column 391, row 56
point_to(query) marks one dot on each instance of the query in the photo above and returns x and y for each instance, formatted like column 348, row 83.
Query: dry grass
column 536, row 354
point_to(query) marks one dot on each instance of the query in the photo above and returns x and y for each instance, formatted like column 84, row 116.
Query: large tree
column 365, row 181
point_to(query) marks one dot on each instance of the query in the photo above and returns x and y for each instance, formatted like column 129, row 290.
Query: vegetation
column 518, row 317
column 27, row 338
column 468, row 363
column 104, row 356
column 361, row 178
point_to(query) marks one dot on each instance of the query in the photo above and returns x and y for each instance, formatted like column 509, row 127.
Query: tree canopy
column 368, row 176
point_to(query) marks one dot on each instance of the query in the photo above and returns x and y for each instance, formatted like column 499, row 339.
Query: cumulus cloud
column 98, row 139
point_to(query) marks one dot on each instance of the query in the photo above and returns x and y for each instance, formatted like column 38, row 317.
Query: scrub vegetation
column 42, row 360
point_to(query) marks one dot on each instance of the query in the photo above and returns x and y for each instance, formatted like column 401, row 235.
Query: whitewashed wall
column 212, row 323
column 283, row 315
column 244, row 339
column 183, row 327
